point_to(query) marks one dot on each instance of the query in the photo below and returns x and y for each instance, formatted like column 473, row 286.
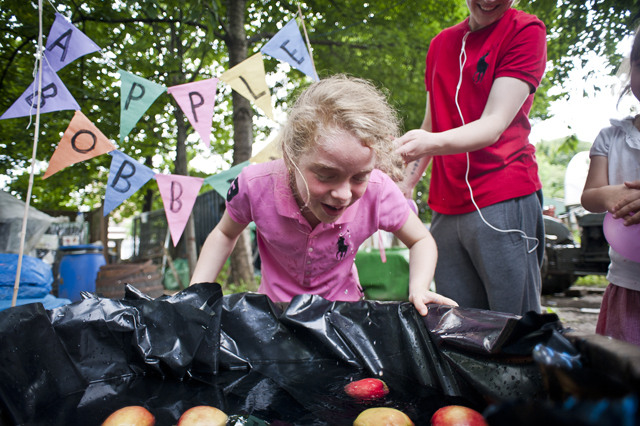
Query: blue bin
column 78, row 270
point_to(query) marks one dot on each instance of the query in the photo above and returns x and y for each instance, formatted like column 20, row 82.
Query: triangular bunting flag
column 81, row 141
column 249, row 79
column 287, row 46
column 55, row 97
column 66, row 43
column 179, row 194
column 222, row 181
column 269, row 153
column 126, row 176
column 197, row 101
column 136, row 96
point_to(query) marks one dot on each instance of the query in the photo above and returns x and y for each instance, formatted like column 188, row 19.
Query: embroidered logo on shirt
column 342, row 248
column 481, row 68
column 233, row 190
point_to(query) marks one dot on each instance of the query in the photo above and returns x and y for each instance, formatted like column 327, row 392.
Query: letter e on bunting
column 55, row 97
column 136, row 96
column 249, row 79
column 66, row 43
column 197, row 100
column 81, row 141
column 287, row 46
column 179, row 194
column 126, row 176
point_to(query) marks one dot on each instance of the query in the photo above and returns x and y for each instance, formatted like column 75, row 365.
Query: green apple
column 203, row 415
column 382, row 416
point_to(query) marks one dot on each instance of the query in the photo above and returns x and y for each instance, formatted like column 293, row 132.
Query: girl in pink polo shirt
column 331, row 191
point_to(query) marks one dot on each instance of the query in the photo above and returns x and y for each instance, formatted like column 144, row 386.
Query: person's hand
column 629, row 206
column 413, row 145
column 420, row 299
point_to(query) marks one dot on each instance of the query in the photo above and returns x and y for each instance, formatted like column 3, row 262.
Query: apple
column 382, row 416
column 367, row 389
column 203, row 415
column 457, row 415
column 130, row 416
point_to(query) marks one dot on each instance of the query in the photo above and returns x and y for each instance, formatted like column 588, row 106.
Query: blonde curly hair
column 339, row 104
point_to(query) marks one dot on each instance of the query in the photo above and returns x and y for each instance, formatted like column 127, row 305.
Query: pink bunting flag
column 179, row 194
column 197, row 100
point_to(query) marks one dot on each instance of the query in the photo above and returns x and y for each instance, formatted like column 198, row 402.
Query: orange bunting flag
column 81, row 141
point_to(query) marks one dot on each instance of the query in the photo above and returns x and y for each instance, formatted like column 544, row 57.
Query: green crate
column 384, row 281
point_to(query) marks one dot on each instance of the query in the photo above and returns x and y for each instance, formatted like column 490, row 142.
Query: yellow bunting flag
column 269, row 153
column 81, row 141
column 249, row 79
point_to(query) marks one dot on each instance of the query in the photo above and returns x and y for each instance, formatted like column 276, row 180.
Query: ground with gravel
column 577, row 309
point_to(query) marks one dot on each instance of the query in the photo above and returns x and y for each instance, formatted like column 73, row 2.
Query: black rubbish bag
column 259, row 362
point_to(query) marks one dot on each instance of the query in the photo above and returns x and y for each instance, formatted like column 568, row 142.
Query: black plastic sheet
column 256, row 360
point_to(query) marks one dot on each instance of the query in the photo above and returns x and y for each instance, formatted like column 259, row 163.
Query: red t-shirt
column 514, row 46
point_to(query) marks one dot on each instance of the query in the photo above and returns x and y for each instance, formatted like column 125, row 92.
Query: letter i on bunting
column 66, row 43
column 197, row 100
column 81, row 141
column 55, row 97
column 136, row 96
column 126, row 176
column 179, row 194
column 287, row 46
column 249, row 79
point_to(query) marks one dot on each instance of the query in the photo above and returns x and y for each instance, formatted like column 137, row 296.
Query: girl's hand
column 629, row 205
column 422, row 298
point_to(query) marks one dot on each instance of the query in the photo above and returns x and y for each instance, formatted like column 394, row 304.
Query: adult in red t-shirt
column 485, row 191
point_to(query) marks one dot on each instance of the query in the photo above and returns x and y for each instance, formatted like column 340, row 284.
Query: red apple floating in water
column 456, row 415
column 367, row 389
column 203, row 415
column 130, row 416
column 382, row 416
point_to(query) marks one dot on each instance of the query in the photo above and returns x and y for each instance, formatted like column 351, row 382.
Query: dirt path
column 578, row 308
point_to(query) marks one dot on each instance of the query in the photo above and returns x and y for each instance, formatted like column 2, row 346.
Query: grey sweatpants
column 482, row 268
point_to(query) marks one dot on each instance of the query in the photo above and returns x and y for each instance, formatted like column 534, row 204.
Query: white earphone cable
column 462, row 61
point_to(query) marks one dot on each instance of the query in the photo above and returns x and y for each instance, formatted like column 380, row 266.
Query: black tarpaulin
column 256, row 361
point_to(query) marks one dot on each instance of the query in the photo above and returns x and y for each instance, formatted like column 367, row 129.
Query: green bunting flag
column 136, row 96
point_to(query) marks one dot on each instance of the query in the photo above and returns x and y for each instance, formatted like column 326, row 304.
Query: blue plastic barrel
column 78, row 270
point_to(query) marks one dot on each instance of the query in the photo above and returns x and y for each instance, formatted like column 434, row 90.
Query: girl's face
column 337, row 172
column 485, row 12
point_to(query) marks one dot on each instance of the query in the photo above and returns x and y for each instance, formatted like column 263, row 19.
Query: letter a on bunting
column 66, row 43
column 81, row 141
column 287, row 46
column 197, row 100
column 249, row 79
column 179, row 194
column 55, row 97
column 126, row 176
column 136, row 96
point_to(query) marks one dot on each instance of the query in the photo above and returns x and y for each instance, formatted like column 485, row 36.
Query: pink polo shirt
column 297, row 259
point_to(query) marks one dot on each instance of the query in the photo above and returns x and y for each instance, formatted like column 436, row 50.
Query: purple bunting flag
column 66, row 43
column 55, row 97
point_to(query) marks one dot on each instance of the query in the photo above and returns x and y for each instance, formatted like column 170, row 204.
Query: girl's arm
column 598, row 196
column 507, row 96
column 216, row 250
column 423, row 255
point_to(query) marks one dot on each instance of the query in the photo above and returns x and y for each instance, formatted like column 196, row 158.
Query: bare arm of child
column 598, row 196
column 507, row 96
column 216, row 249
column 423, row 255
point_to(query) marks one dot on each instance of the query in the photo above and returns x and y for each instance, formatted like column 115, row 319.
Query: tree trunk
column 241, row 260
